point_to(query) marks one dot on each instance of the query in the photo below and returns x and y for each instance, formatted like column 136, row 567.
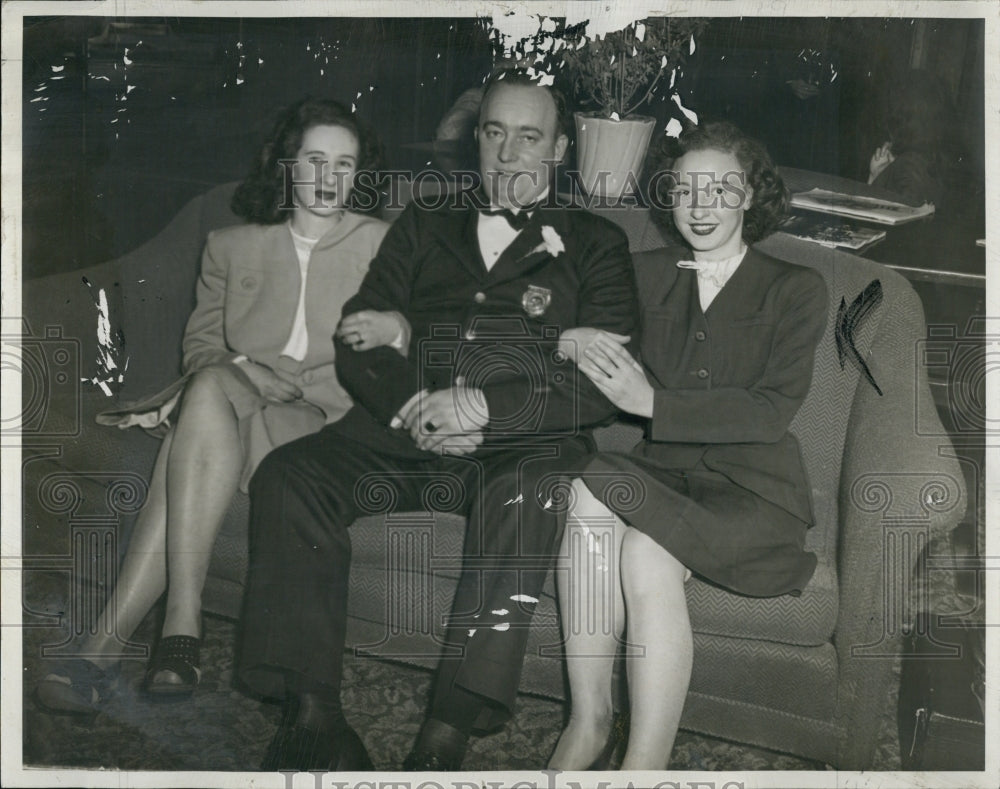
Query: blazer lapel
column 458, row 235
column 741, row 295
column 347, row 224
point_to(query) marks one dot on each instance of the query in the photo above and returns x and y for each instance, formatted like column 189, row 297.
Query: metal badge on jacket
column 536, row 300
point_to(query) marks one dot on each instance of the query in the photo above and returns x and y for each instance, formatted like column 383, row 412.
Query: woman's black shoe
column 175, row 668
column 75, row 686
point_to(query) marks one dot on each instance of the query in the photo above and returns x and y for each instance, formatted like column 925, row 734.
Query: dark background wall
column 106, row 166
column 127, row 119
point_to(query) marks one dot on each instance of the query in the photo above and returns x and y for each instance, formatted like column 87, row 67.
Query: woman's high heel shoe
column 175, row 668
column 75, row 686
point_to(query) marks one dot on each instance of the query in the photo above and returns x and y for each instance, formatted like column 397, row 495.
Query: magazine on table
column 871, row 209
column 831, row 232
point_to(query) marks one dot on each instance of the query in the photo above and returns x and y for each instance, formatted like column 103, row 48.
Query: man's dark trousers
column 307, row 494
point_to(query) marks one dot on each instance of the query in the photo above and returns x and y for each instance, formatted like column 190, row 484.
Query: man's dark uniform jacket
column 496, row 331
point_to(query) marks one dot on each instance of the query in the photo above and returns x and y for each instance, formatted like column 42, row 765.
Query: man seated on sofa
column 487, row 282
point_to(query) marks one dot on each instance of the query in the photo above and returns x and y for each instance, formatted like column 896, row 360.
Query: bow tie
column 708, row 269
column 517, row 221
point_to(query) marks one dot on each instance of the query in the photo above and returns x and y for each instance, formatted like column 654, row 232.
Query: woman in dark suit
column 717, row 485
column 258, row 372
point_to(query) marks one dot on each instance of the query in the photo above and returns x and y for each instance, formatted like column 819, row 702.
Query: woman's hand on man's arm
column 369, row 329
column 573, row 342
column 602, row 357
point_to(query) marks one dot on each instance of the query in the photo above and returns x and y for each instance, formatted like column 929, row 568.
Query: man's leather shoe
column 421, row 761
column 350, row 754
column 440, row 747
column 297, row 747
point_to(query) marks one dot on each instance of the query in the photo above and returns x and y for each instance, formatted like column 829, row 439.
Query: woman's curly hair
column 770, row 197
column 264, row 197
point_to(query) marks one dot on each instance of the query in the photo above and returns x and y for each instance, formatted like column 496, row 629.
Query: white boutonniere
column 551, row 242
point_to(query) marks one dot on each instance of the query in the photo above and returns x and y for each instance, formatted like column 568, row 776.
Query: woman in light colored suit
column 717, row 486
column 258, row 372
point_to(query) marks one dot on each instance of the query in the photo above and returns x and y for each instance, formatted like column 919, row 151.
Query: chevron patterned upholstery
column 801, row 674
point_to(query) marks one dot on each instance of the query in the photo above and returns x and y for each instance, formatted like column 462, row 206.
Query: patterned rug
column 222, row 729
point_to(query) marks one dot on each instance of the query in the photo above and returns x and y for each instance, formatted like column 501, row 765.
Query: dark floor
column 221, row 729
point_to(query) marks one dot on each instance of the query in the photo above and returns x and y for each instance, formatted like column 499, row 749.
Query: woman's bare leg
column 203, row 473
column 653, row 583
column 593, row 620
column 143, row 574
column 194, row 479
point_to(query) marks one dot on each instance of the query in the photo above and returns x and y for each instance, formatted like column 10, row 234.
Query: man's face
column 517, row 136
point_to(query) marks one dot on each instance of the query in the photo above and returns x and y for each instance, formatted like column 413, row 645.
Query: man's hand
column 437, row 420
column 269, row 384
column 619, row 377
column 371, row 329
column 573, row 342
column 460, row 445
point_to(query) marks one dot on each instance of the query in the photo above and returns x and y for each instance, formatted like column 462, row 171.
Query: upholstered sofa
column 806, row 675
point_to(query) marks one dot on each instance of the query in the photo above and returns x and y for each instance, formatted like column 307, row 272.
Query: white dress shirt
column 495, row 233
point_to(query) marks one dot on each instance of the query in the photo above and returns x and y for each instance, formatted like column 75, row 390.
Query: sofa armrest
column 900, row 491
column 149, row 294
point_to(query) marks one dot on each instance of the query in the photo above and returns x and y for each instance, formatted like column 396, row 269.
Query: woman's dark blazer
column 728, row 382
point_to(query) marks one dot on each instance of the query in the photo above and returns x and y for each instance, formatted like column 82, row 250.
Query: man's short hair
column 521, row 76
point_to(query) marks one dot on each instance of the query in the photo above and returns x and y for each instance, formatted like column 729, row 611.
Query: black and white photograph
column 500, row 394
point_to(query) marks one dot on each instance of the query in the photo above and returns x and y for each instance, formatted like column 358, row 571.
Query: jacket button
column 700, row 335
column 703, row 373
column 248, row 282
column 480, row 297
column 470, row 335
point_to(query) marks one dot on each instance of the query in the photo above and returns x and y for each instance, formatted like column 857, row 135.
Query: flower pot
column 608, row 151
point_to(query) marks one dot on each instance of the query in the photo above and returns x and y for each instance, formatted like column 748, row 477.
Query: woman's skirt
column 262, row 424
column 722, row 532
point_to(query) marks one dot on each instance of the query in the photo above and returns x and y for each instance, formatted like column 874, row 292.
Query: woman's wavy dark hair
column 264, row 197
column 770, row 197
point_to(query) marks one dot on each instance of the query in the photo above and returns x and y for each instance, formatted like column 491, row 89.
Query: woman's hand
column 269, row 384
column 619, row 377
column 881, row 159
column 573, row 342
column 371, row 329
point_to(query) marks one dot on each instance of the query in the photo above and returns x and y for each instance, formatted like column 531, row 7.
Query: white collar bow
column 717, row 272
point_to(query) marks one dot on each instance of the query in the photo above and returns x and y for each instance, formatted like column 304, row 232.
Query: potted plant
column 621, row 72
